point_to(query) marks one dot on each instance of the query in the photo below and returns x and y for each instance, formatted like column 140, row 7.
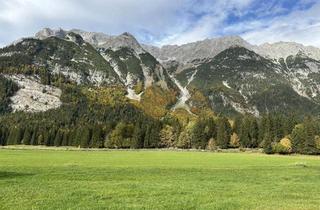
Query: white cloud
column 209, row 24
column 298, row 26
column 25, row 17
column 162, row 21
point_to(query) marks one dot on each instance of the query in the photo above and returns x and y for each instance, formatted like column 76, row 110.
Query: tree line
column 273, row 133
column 84, row 121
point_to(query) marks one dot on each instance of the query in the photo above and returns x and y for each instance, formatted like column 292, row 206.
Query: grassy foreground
column 37, row 179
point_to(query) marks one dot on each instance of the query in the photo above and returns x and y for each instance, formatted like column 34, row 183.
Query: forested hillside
column 64, row 91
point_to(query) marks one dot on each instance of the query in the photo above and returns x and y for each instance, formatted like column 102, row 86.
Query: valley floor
column 48, row 179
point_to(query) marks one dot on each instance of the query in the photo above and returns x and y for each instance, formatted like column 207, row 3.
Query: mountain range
column 224, row 75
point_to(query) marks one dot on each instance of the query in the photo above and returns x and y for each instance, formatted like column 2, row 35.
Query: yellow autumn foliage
column 286, row 142
column 156, row 101
column 234, row 140
column 212, row 145
column 106, row 95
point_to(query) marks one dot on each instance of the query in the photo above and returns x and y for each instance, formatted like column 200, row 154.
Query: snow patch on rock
column 225, row 83
column 9, row 54
column 184, row 92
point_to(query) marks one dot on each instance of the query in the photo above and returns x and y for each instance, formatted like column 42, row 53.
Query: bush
column 212, row 145
column 283, row 147
column 317, row 142
column 234, row 141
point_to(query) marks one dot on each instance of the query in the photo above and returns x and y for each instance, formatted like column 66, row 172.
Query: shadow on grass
column 11, row 175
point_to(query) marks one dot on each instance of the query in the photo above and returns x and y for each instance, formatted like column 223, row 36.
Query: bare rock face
column 284, row 49
column 47, row 32
column 197, row 50
column 123, row 40
column 34, row 96
column 96, row 39
column 211, row 47
column 111, row 42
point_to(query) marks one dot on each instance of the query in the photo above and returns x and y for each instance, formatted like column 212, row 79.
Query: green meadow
column 147, row 179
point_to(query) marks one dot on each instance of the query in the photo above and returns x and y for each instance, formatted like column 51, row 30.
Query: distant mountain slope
column 132, row 64
column 239, row 80
column 227, row 75
column 209, row 48
column 65, row 56
column 77, row 60
column 197, row 50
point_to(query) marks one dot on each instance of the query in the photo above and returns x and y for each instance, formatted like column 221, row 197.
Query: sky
column 163, row 22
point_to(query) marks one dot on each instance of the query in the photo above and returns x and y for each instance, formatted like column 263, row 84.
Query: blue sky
column 162, row 22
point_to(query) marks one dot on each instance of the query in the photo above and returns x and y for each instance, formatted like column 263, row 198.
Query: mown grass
column 37, row 179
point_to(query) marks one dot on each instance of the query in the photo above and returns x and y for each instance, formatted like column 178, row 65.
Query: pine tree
column 267, row 139
column 116, row 138
column 309, row 144
column 27, row 136
column 298, row 137
column 223, row 132
column 4, row 136
column 65, row 138
column 244, row 134
column 34, row 136
column 154, row 135
column 15, row 136
column 85, row 137
column 237, row 125
column 138, row 136
column 254, row 133
column 96, row 140
column 199, row 138
column 267, row 143
column 58, row 138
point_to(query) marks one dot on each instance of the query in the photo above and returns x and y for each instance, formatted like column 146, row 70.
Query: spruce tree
column 85, row 137
column 223, row 132
column 244, row 134
column 58, row 138
column 309, row 144
column 267, row 143
column 254, row 133
column 27, row 136
column 298, row 137
column 96, row 140
column 65, row 138
column 268, row 138
column 15, row 136
column 34, row 136
column 199, row 138
column 138, row 136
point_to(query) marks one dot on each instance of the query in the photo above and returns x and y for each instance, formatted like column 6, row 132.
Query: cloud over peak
column 163, row 22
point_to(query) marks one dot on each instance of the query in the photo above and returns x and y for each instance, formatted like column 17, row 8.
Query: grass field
column 36, row 179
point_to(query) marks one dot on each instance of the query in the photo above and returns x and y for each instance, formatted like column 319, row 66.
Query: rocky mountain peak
column 124, row 40
column 207, row 48
column 47, row 32
column 284, row 49
column 99, row 40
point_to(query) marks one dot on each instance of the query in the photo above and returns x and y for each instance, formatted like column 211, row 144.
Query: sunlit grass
column 36, row 179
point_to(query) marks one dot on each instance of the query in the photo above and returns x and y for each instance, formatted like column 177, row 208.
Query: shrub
column 283, row 147
column 212, row 145
column 234, row 140
column 317, row 142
